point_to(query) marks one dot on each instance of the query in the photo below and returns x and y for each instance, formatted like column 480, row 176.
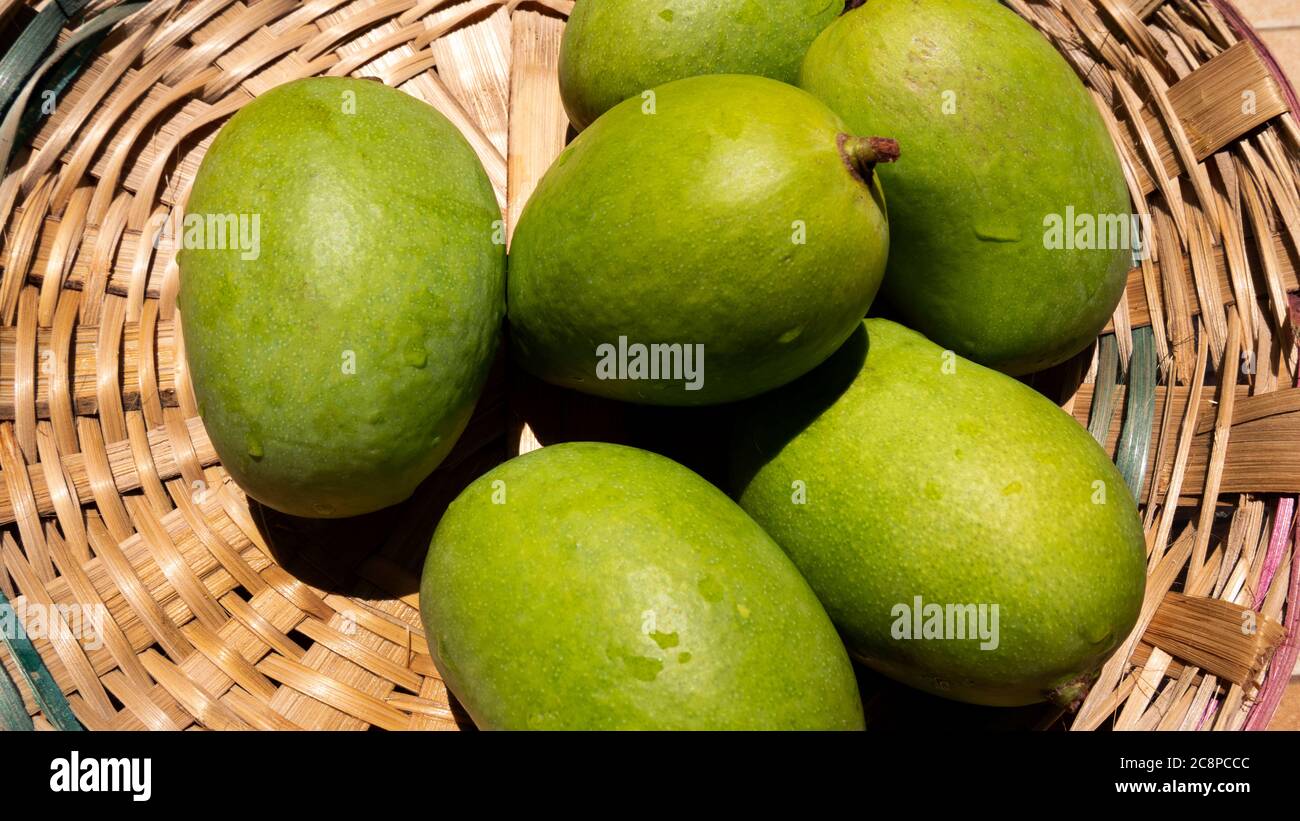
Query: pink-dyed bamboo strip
column 1285, row 526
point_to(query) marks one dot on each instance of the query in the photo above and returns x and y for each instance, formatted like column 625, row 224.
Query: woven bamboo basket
column 220, row 614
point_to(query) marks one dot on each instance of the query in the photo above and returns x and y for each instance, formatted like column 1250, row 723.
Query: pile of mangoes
column 747, row 177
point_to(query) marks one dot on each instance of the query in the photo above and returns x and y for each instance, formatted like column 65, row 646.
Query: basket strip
column 1215, row 636
column 13, row 712
column 1218, row 448
column 1164, row 437
column 1253, row 461
column 1159, row 538
column 26, row 517
column 198, row 703
column 409, row 638
column 356, row 703
column 1286, row 530
column 422, row 708
column 118, row 462
column 1145, row 688
column 1149, row 142
column 60, row 637
column 1261, row 222
column 1177, row 288
column 25, row 54
column 537, row 118
column 219, row 659
column 1243, row 536
column 1180, row 694
column 254, row 712
column 1135, row 438
column 399, row 674
column 1099, row 702
column 1228, row 203
column 1224, row 98
column 82, row 590
column 1100, row 401
column 146, row 709
column 1247, row 406
column 33, row 672
column 474, row 63
column 259, row 627
column 1280, row 672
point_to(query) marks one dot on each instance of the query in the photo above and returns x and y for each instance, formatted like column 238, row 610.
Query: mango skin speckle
column 595, row 586
column 997, row 133
column 336, row 369
column 892, row 513
column 616, row 49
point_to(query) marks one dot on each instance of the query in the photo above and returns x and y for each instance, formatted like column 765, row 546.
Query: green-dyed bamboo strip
column 20, row 80
column 1247, row 407
column 1139, row 411
column 53, row 704
column 13, row 713
column 29, row 49
column 1255, row 462
column 58, row 80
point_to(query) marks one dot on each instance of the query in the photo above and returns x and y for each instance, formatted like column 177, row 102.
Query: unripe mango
column 1010, row 220
column 707, row 247
column 901, row 478
column 337, row 358
column 616, row 49
column 593, row 586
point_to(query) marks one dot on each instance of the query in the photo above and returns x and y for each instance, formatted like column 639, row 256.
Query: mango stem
column 862, row 153
column 1070, row 694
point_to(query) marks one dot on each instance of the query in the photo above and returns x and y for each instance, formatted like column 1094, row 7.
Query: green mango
column 734, row 219
column 616, row 49
column 590, row 586
column 898, row 471
column 339, row 340
column 1008, row 164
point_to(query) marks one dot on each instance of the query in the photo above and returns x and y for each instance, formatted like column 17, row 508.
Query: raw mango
column 713, row 246
column 616, row 49
column 593, row 586
column 341, row 318
column 1011, row 227
column 967, row 536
